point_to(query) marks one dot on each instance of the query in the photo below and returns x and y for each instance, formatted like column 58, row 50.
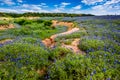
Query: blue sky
column 96, row 7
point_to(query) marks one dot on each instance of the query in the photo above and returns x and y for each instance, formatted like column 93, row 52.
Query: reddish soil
column 5, row 27
column 49, row 42
column 74, row 46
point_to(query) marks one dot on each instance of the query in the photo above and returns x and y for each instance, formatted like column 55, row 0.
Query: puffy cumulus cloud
column 8, row 2
column 33, row 8
column 106, row 7
column 112, row 2
column 77, row 7
column 91, row 2
column 24, row 8
column 60, row 7
column 110, row 7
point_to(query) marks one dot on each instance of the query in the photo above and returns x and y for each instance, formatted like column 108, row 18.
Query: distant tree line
column 31, row 14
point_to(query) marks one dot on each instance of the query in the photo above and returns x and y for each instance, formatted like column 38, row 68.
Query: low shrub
column 91, row 44
column 25, row 54
column 59, row 52
column 78, row 67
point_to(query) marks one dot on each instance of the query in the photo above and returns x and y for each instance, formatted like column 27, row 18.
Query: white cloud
column 110, row 7
column 77, row 7
column 20, row 1
column 107, row 7
column 8, row 10
column 65, row 3
column 60, row 7
column 43, row 5
column 25, row 6
column 32, row 7
column 112, row 2
column 8, row 2
column 91, row 2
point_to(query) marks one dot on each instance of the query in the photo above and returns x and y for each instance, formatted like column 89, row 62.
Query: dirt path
column 74, row 46
column 49, row 42
column 65, row 33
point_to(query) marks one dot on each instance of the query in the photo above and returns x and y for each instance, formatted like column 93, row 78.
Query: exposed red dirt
column 5, row 27
column 74, row 46
column 49, row 42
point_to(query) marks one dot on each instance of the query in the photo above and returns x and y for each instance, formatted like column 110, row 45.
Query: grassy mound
column 77, row 67
column 91, row 44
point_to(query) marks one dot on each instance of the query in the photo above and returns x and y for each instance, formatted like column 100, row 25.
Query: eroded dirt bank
column 50, row 42
column 5, row 27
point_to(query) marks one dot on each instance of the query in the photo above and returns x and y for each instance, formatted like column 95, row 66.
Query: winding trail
column 50, row 42
column 74, row 46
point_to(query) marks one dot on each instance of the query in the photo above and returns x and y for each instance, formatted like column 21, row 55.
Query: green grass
column 20, row 59
column 77, row 67
column 3, row 22
column 86, row 44
column 37, row 29
column 67, row 42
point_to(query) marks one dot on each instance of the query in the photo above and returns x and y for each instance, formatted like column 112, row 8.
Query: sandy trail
column 49, row 42
column 74, row 46
column 65, row 33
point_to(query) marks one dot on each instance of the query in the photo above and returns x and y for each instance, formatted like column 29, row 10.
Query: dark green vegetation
column 36, row 28
column 42, row 15
column 4, row 22
column 26, row 54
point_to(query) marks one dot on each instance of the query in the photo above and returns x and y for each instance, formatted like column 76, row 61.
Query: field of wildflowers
column 26, row 57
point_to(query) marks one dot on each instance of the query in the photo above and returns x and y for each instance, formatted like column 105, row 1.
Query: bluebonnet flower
column 90, row 78
column 108, row 79
column 105, row 55
column 104, row 69
column 1, row 45
column 94, row 71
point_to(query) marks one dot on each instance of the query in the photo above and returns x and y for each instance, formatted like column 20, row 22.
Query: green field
column 27, row 58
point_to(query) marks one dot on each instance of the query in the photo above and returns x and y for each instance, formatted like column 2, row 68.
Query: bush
column 91, row 44
column 59, row 52
column 23, row 21
column 10, row 71
column 26, row 54
column 4, row 22
column 78, row 67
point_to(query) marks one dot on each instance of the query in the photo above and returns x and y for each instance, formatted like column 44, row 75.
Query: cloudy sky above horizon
column 96, row 7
